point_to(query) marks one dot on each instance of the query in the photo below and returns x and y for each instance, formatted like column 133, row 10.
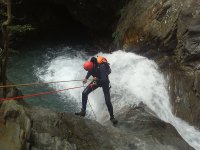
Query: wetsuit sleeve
column 88, row 75
column 103, row 75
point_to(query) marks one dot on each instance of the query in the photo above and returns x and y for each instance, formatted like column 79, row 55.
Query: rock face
column 96, row 15
column 28, row 128
column 33, row 128
column 168, row 32
column 78, row 18
column 56, row 131
column 139, row 128
column 15, row 126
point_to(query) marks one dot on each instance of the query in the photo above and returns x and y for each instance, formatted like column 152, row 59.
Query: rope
column 92, row 111
column 42, row 93
column 91, row 107
column 38, row 94
column 30, row 84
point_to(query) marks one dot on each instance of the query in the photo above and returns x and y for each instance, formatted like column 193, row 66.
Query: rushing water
column 22, row 68
column 134, row 79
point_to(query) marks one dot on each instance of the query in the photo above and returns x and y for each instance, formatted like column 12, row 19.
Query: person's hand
column 84, row 81
column 95, row 79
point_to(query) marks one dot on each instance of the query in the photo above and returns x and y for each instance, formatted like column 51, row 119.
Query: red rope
column 38, row 94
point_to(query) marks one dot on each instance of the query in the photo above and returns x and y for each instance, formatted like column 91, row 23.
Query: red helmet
column 88, row 65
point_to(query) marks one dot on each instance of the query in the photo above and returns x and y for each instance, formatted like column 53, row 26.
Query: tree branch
column 9, row 14
column 4, row 53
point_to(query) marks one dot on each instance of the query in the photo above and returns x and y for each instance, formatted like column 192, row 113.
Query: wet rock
column 141, row 129
column 81, row 133
column 166, row 26
column 152, row 23
column 184, row 89
column 15, row 126
column 34, row 128
column 45, row 140
column 96, row 15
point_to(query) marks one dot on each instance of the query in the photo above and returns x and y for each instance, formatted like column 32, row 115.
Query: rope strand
column 91, row 107
column 37, row 83
column 38, row 94
column 42, row 93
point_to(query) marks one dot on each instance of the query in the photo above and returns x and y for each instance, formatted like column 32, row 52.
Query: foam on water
column 134, row 79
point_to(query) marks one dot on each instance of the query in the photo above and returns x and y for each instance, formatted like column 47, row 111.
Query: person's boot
column 113, row 120
column 81, row 113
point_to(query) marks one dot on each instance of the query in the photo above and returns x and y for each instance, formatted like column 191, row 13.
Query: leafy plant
column 115, row 35
column 21, row 28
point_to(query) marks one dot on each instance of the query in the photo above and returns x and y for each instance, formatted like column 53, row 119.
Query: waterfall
column 134, row 79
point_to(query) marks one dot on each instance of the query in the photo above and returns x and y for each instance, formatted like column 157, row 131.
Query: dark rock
column 141, row 129
column 184, row 89
column 96, row 15
column 15, row 126
column 63, row 128
column 37, row 128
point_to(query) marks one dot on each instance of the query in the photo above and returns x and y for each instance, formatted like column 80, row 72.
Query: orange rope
column 30, row 84
column 38, row 94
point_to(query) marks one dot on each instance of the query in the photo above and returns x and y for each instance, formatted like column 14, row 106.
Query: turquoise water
column 22, row 69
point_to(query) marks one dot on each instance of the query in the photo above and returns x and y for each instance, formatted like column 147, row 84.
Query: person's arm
column 88, row 75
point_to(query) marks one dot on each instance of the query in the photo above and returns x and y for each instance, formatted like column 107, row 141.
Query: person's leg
column 91, row 87
column 106, row 90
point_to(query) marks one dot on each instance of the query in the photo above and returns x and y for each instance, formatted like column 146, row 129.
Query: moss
column 115, row 36
column 21, row 28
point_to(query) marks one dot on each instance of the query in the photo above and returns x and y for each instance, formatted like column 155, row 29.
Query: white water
column 134, row 79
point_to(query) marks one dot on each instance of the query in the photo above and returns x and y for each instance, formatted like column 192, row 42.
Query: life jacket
column 103, row 60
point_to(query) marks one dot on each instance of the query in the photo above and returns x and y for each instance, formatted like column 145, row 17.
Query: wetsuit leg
column 91, row 87
column 106, row 91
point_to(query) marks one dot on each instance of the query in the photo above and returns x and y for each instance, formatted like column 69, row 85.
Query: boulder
column 58, row 129
column 15, row 126
column 35, row 128
column 139, row 128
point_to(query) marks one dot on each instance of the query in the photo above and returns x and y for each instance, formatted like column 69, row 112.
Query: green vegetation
column 115, row 35
column 21, row 28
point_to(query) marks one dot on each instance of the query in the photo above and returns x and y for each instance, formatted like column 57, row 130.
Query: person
column 100, row 79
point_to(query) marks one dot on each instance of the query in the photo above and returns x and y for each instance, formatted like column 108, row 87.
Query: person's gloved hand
column 84, row 81
column 95, row 79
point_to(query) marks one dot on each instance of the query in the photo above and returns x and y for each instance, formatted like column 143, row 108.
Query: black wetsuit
column 100, row 72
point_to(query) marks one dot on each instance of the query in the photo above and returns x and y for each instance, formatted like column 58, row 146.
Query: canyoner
column 98, row 68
